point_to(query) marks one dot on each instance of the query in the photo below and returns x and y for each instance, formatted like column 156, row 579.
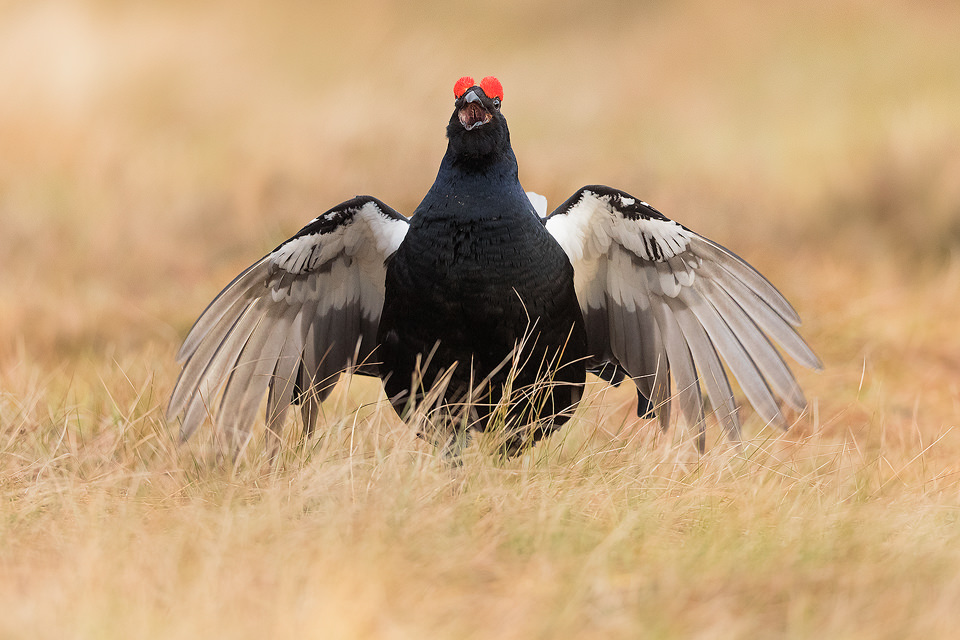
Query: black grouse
column 477, row 293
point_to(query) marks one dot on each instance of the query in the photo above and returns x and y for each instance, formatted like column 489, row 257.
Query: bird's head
column 478, row 131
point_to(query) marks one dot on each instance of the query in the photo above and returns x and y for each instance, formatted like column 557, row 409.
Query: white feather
column 539, row 203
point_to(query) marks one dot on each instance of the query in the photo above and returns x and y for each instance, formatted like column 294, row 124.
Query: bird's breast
column 480, row 258
column 477, row 287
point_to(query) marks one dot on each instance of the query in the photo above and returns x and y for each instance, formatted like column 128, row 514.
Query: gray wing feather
column 713, row 253
column 237, row 292
column 711, row 370
column 251, row 374
column 282, row 385
column 204, row 384
column 768, row 319
column 680, row 363
column 766, row 358
column 635, row 336
column 738, row 360
column 205, row 343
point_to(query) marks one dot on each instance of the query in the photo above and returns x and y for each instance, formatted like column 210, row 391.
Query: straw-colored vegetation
column 149, row 151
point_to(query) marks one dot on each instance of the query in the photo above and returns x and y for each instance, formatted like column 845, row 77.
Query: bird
column 494, row 303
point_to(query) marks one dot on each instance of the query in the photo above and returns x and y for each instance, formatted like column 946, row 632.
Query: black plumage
column 476, row 274
column 479, row 292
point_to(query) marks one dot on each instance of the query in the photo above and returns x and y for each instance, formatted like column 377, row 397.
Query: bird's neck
column 463, row 177
column 469, row 190
column 458, row 163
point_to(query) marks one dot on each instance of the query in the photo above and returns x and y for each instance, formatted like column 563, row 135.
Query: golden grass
column 152, row 151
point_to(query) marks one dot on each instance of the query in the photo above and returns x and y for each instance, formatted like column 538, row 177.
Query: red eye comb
column 462, row 85
column 492, row 87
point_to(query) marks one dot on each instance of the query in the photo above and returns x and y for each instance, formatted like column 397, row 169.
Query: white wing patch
column 589, row 225
column 539, row 203
column 371, row 234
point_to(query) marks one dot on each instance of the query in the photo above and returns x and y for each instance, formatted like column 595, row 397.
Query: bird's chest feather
column 480, row 266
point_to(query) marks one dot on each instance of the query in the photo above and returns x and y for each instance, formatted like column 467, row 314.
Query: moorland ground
column 148, row 152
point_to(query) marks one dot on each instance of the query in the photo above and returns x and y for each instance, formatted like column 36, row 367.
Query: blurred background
column 149, row 151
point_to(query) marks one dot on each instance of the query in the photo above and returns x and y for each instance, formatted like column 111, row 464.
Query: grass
column 151, row 152
column 110, row 530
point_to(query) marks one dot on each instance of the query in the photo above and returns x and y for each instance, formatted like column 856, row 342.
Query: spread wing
column 660, row 300
column 291, row 321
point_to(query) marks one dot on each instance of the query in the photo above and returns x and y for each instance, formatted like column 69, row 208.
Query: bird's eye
column 496, row 103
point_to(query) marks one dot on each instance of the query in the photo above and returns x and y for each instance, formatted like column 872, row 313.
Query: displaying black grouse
column 479, row 293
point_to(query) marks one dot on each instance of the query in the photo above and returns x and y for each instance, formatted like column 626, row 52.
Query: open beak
column 473, row 114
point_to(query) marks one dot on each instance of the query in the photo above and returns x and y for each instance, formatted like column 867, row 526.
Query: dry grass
column 150, row 151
